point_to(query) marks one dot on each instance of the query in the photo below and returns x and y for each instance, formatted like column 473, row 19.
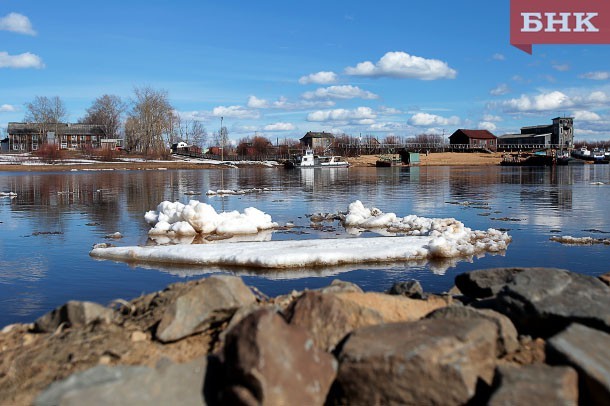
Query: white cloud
column 7, row 108
column 487, row 125
column 492, row 118
column 284, row 104
column 426, row 119
column 388, row 126
column 500, row 90
column 279, row 127
column 542, row 102
column 403, row 65
column 498, row 57
column 599, row 75
column 234, row 111
column 597, row 98
column 18, row 23
column 21, row 61
column 584, row 115
column 561, row 67
column 339, row 92
column 256, row 103
column 320, row 78
column 389, row 111
column 359, row 113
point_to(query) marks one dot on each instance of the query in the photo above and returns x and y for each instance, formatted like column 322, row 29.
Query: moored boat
column 309, row 160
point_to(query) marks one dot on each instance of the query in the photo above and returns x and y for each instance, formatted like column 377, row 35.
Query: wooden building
column 29, row 137
column 474, row 139
column 317, row 140
column 558, row 134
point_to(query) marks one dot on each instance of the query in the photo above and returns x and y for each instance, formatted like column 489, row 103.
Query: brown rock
column 276, row 363
column 605, row 278
column 213, row 300
column 74, row 314
column 485, row 282
column 423, row 362
column 535, row 385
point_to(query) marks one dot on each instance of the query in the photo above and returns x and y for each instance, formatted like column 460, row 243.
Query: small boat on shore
column 309, row 160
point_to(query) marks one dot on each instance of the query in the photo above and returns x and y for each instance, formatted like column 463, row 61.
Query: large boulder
column 213, row 300
column 485, row 283
column 544, row 301
column 410, row 288
column 508, row 341
column 130, row 385
column 269, row 362
column 536, row 384
column 74, row 314
column 588, row 351
column 431, row 362
column 330, row 317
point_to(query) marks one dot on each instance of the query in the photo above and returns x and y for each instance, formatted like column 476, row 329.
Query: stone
column 535, row 385
column 130, row 385
column 338, row 285
column 542, row 301
column 605, row 278
column 485, row 283
column 508, row 341
column 587, row 350
column 138, row 336
column 74, row 314
column 330, row 317
column 214, row 300
column 423, row 362
column 410, row 288
column 275, row 363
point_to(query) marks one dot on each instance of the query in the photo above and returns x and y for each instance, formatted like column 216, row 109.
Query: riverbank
column 500, row 336
column 26, row 163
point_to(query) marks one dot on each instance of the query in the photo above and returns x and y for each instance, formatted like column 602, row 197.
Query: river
column 49, row 227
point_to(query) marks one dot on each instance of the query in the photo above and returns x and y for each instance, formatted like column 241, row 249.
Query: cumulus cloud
column 234, row 111
column 403, row 65
column 18, row 23
column 360, row 113
column 599, row 75
column 256, row 103
column 7, row 108
column 279, row 127
column 389, row 111
column 284, row 104
column 584, row 115
column 487, row 125
column 500, row 90
column 339, row 92
column 542, row 102
column 492, row 118
column 21, row 61
column 319, row 78
column 426, row 119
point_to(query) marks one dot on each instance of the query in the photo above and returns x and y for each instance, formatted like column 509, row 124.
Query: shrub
column 49, row 153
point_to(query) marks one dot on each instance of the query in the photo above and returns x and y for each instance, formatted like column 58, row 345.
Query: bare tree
column 152, row 120
column 190, row 131
column 107, row 111
column 46, row 113
column 261, row 145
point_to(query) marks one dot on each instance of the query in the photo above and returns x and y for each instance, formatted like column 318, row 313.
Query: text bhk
column 559, row 22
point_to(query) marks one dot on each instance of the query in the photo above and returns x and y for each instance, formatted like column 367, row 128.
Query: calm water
column 47, row 231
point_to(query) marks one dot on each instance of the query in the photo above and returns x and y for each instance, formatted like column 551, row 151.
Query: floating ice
column 569, row 240
column 8, row 194
column 222, row 192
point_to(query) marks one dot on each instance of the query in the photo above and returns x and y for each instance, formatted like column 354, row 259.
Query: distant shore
column 432, row 159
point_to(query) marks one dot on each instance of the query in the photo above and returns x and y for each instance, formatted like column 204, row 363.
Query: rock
column 424, row 362
column 485, row 282
column 213, row 300
column 508, row 341
column 138, row 336
column 274, row 363
column 74, row 314
column 131, row 385
column 588, row 351
column 337, row 286
column 410, row 288
column 542, row 301
column 605, row 278
column 330, row 317
column 535, row 385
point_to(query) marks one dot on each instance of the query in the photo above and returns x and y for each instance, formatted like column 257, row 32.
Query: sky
column 282, row 68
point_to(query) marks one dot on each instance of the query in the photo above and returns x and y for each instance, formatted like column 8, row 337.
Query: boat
column 309, row 160
column 387, row 161
column 527, row 160
column 596, row 156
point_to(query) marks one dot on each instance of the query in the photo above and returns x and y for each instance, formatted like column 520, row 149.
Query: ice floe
column 222, row 192
column 569, row 240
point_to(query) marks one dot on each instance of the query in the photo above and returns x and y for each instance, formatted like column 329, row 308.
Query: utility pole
column 222, row 142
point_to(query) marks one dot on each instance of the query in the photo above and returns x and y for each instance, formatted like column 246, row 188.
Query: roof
column 60, row 128
column 511, row 136
column 312, row 134
column 477, row 134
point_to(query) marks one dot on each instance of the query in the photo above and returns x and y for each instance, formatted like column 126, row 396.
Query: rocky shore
column 500, row 336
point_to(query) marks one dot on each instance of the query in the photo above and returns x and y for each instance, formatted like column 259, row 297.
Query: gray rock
column 544, row 301
column 508, row 341
column 431, row 362
column 536, row 384
column 485, row 282
column 588, row 351
column 338, row 285
column 274, row 363
column 410, row 288
column 74, row 314
column 605, row 278
column 213, row 300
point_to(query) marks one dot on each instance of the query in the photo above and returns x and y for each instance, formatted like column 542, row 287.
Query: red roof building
column 474, row 139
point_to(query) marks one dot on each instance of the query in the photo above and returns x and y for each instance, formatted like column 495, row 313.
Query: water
column 47, row 231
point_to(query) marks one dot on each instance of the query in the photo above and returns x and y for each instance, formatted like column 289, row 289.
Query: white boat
column 309, row 160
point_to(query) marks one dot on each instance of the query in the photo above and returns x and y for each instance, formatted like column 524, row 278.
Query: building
column 28, row 137
column 317, row 140
column 559, row 134
column 474, row 139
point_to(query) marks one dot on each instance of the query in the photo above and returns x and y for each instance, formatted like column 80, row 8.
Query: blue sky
column 282, row 68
